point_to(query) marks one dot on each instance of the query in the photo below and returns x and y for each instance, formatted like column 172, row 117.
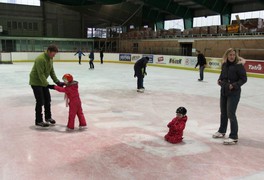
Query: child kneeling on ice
column 73, row 100
column 176, row 126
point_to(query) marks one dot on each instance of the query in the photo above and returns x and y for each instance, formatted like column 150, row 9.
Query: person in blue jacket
column 80, row 54
column 91, row 56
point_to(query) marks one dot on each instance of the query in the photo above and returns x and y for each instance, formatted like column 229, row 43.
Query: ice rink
column 124, row 139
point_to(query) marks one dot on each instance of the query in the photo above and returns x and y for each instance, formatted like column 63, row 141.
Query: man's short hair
column 147, row 57
column 52, row 48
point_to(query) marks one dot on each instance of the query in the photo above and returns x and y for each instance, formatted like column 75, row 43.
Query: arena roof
column 105, row 13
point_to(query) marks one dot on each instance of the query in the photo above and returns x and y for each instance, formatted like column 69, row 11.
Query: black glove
column 61, row 84
column 51, row 86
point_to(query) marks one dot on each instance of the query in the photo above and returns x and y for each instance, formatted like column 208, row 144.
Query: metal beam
column 72, row 2
column 188, row 23
column 85, row 2
column 262, row 1
column 170, row 7
column 218, row 6
column 152, row 14
column 225, row 19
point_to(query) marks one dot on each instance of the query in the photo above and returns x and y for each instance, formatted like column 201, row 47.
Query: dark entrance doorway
column 186, row 49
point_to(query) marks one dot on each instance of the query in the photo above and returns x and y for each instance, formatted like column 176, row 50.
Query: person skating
column 73, row 100
column 176, row 126
column 201, row 61
column 80, row 54
column 41, row 70
column 91, row 56
column 140, row 72
column 102, row 56
column 233, row 76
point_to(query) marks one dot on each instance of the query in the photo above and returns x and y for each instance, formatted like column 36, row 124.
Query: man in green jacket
column 42, row 69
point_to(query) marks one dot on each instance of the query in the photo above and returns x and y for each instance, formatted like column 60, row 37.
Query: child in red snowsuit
column 176, row 126
column 73, row 100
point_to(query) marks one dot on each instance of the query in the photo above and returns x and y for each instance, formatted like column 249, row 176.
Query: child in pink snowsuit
column 73, row 100
column 176, row 126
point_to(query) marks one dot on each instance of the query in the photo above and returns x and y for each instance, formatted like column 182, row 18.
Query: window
column 19, row 25
column 14, row 25
column 35, row 26
column 24, row 2
column 30, row 26
column 25, row 25
column 9, row 26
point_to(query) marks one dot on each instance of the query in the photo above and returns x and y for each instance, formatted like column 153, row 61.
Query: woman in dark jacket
column 232, row 77
column 91, row 56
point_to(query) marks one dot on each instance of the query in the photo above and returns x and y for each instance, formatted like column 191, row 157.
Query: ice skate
column 141, row 90
column 230, row 141
column 42, row 124
column 51, row 121
column 218, row 135
column 82, row 127
column 69, row 129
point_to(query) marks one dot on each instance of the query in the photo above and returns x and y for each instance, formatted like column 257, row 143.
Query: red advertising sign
column 254, row 66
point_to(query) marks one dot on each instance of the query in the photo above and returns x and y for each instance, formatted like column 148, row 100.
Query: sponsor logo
column 175, row 61
column 214, row 64
column 125, row 57
column 135, row 57
column 256, row 67
column 160, row 60
column 150, row 58
column 190, row 62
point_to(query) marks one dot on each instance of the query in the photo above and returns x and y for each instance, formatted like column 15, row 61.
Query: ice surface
column 125, row 132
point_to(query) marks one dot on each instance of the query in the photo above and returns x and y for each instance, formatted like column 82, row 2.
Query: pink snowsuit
column 71, row 91
column 176, row 127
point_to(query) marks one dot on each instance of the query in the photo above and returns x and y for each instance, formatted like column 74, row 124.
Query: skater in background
column 80, row 54
column 176, row 126
column 232, row 77
column 140, row 72
column 41, row 70
column 73, row 100
column 91, row 56
column 201, row 61
column 102, row 56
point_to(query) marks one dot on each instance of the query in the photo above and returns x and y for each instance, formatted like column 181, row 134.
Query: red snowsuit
column 176, row 127
column 71, row 92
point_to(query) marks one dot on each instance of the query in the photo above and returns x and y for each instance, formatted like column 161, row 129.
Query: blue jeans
column 201, row 69
column 228, row 107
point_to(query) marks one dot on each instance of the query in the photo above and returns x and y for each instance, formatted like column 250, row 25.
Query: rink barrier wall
column 254, row 68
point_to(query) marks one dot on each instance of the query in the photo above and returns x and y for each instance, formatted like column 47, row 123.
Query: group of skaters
column 91, row 57
column 232, row 77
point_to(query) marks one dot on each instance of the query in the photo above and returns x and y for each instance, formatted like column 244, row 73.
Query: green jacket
column 41, row 70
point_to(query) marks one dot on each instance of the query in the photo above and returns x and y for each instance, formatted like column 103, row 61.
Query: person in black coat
column 232, row 77
column 102, row 56
column 140, row 72
column 91, row 56
column 201, row 61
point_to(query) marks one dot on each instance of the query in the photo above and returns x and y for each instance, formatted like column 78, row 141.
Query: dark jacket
column 140, row 66
column 91, row 56
column 232, row 73
column 201, row 61
column 101, row 53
